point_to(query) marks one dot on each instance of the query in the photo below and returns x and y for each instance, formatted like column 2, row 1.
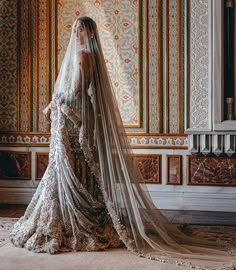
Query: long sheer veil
column 85, row 96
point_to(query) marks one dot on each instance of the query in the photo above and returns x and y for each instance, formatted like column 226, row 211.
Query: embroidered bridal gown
column 92, row 195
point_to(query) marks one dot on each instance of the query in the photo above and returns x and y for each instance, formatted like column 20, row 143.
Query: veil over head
column 85, row 95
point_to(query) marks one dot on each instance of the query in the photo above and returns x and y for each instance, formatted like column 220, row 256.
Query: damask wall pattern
column 43, row 56
column 118, row 26
column 165, row 58
column 200, row 76
column 8, row 65
column 24, row 90
column 175, row 58
column 25, row 64
column 134, row 36
column 155, row 66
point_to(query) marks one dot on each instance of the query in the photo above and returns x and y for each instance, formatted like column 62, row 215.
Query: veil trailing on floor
column 85, row 96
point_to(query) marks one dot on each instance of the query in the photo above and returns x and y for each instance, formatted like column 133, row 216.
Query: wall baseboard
column 178, row 208
column 201, row 217
column 16, row 195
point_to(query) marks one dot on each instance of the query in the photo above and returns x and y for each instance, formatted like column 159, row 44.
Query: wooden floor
column 10, row 210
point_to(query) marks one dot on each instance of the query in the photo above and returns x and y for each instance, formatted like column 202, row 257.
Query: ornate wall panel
column 152, row 42
column 165, row 64
column 15, row 165
column 154, row 66
column 211, row 171
column 8, row 65
column 24, row 54
column 175, row 55
column 133, row 32
column 25, row 64
column 42, row 61
column 199, row 65
column 166, row 55
column 118, row 26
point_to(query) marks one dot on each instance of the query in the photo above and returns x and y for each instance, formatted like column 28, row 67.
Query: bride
column 92, row 195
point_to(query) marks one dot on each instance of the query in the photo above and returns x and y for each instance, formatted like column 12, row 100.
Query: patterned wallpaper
column 8, row 65
column 143, row 48
column 145, row 45
column 118, row 28
column 25, row 63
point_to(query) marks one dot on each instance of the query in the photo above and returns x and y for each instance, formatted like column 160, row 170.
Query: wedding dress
column 92, row 195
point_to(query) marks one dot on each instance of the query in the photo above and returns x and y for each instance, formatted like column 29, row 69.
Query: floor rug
column 5, row 227
column 12, row 258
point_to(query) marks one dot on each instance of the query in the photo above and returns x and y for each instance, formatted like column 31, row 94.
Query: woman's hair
column 88, row 22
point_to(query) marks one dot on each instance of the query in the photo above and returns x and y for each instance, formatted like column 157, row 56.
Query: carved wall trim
column 216, row 144
column 177, row 141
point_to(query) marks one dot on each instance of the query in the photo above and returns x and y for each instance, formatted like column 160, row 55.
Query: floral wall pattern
column 25, row 65
column 143, row 48
column 118, row 28
column 8, row 65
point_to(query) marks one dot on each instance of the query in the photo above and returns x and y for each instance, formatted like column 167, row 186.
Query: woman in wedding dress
column 92, row 195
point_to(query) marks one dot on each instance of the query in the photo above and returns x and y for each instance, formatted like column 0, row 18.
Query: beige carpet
column 13, row 258
column 5, row 226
